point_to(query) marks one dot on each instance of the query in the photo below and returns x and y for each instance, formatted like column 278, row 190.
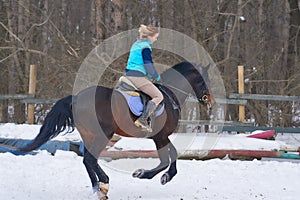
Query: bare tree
column 57, row 35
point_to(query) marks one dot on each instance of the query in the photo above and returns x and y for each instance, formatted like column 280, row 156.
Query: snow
column 242, row 18
column 63, row 176
column 26, row 131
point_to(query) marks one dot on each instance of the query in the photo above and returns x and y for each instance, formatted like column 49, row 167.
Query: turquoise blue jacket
column 140, row 60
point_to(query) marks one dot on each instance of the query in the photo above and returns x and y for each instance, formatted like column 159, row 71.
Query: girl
column 140, row 71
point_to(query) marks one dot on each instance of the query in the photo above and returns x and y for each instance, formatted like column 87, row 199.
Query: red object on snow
column 269, row 134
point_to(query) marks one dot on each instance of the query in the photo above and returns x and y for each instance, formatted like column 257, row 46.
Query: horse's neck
column 178, row 84
column 179, row 93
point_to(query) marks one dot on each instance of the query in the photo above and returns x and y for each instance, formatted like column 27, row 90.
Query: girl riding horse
column 140, row 69
column 99, row 112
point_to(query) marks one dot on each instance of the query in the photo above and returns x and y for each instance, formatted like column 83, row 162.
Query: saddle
column 136, row 100
column 125, row 85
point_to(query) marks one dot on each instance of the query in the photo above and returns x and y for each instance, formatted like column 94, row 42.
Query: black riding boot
column 142, row 121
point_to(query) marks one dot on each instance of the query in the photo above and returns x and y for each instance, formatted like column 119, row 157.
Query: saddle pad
column 136, row 106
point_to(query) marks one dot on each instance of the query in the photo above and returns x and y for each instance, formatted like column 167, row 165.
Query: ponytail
column 146, row 31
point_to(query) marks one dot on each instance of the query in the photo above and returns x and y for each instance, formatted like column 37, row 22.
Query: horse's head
column 201, row 90
column 204, row 96
column 193, row 79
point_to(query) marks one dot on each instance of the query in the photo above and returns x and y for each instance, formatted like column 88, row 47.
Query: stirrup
column 141, row 125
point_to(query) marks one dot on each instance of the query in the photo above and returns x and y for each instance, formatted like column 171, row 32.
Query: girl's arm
column 148, row 64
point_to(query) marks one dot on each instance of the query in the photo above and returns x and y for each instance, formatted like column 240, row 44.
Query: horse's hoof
column 138, row 173
column 103, row 198
column 165, row 178
column 101, row 195
column 101, row 189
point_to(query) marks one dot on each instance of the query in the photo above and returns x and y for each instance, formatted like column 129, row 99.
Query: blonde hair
column 146, row 31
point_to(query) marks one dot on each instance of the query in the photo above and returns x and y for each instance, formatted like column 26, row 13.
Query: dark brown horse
column 99, row 112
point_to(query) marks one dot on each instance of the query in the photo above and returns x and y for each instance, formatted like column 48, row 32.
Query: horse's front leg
column 164, row 156
column 166, row 177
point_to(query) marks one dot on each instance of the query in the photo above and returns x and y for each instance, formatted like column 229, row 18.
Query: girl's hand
column 158, row 78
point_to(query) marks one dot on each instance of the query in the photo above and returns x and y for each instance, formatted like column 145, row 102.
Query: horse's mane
column 186, row 68
column 183, row 68
column 196, row 75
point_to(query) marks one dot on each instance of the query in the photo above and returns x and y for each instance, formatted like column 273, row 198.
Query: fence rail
column 264, row 97
column 263, row 128
column 215, row 123
column 5, row 97
column 230, row 126
column 234, row 126
column 223, row 101
column 39, row 101
column 30, row 98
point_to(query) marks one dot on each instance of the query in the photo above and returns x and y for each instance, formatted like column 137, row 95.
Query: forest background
column 261, row 35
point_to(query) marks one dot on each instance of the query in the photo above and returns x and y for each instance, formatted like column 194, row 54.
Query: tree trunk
column 293, row 57
column 119, row 15
column 99, row 20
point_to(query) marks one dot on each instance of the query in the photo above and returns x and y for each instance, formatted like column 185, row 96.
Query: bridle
column 203, row 100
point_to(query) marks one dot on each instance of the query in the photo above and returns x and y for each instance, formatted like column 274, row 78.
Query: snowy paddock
column 63, row 176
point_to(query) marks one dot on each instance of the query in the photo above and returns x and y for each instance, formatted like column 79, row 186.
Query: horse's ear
column 204, row 72
column 202, row 69
column 206, row 68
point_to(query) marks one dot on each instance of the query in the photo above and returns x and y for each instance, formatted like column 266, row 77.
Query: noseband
column 204, row 99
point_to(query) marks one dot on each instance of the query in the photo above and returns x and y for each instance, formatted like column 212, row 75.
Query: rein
column 204, row 99
column 175, row 105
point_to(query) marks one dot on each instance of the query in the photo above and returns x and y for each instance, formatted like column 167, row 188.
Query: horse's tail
column 59, row 119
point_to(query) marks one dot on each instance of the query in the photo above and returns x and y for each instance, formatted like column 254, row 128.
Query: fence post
column 241, row 90
column 32, row 87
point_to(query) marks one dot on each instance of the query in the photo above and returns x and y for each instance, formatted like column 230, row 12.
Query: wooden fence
column 239, row 99
column 230, row 126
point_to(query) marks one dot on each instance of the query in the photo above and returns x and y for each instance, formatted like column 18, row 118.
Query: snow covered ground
column 26, row 131
column 63, row 176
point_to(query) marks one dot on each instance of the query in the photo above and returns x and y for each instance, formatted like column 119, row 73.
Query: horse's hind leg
column 95, row 172
column 90, row 171
column 100, row 181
